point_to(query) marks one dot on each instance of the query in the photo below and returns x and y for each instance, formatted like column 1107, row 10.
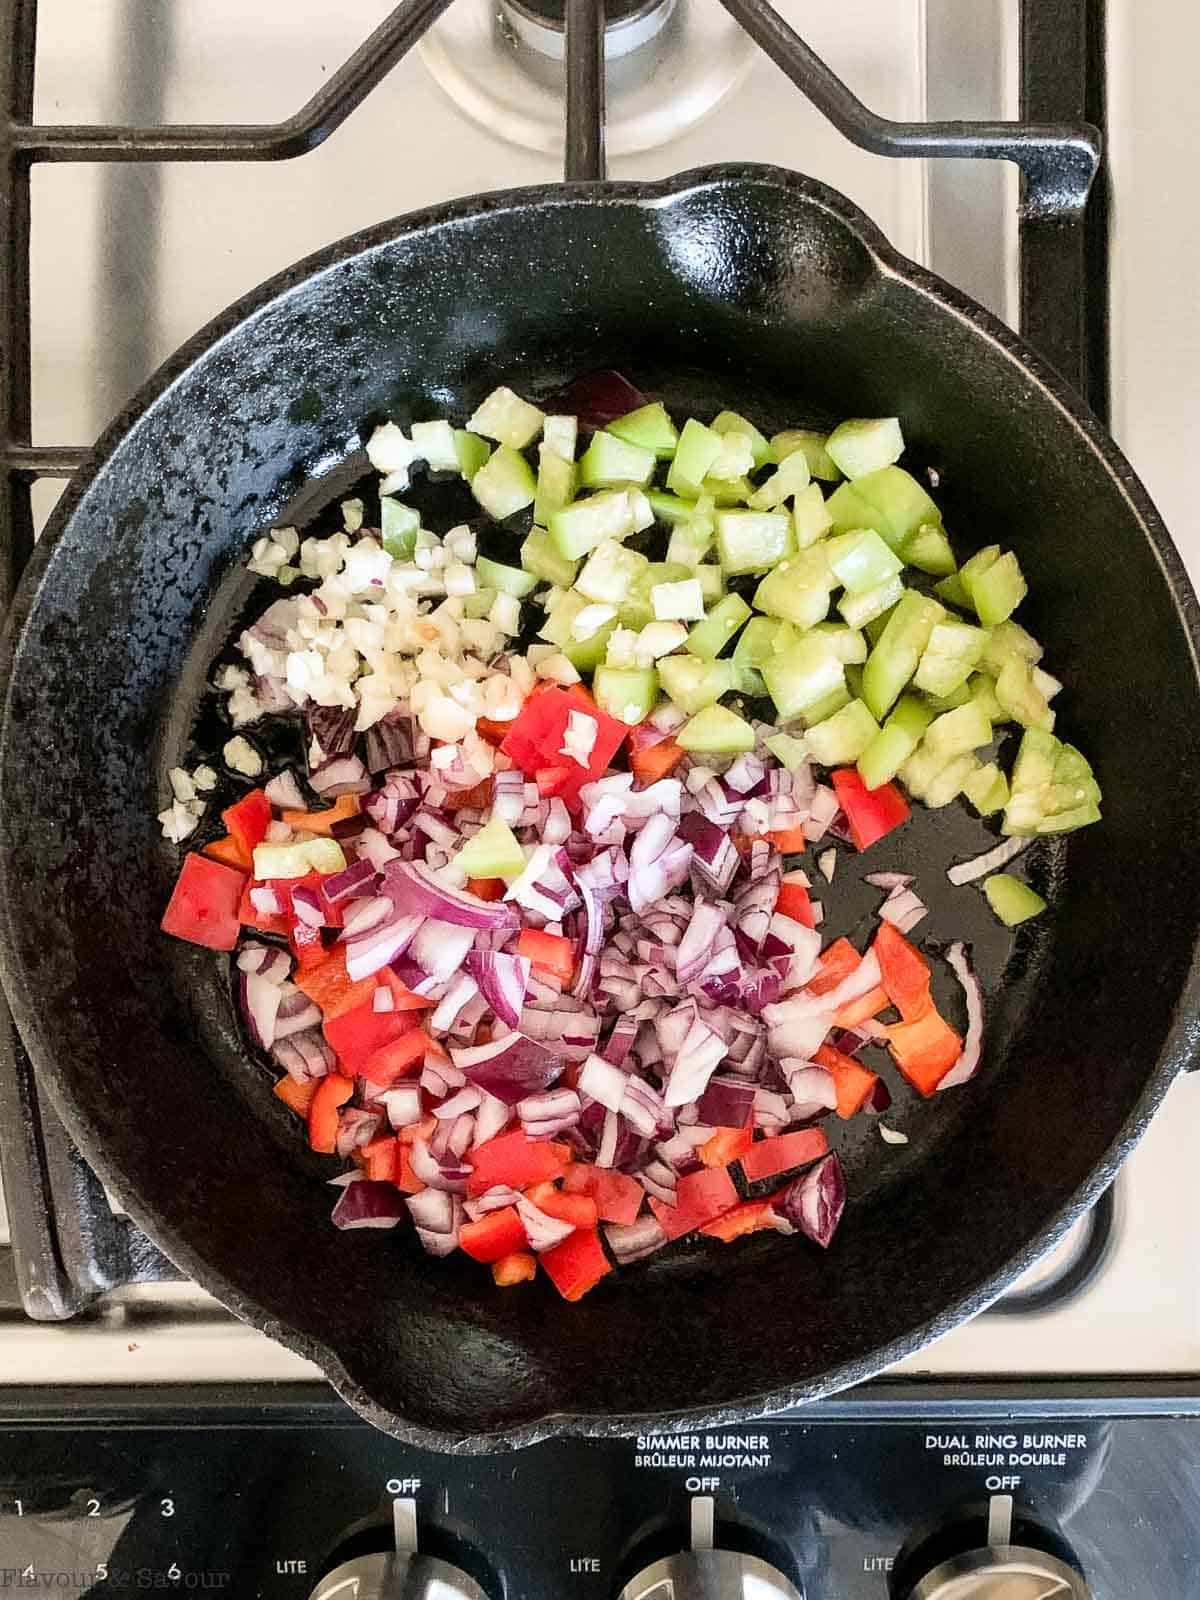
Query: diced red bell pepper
column 405, row 1178
column 580, row 1210
column 327, row 985
column 654, row 761
column 870, row 813
column 263, row 921
column 494, row 732
column 497, row 1234
column 904, row 971
column 297, row 1096
column 867, row 1005
column 699, row 1197
column 322, row 821
column 486, row 888
column 535, row 739
column 306, row 944
column 752, row 1216
column 549, row 952
column 286, row 888
column 379, row 1158
column 551, row 781
column 577, row 1264
column 794, row 901
column 726, row 1145
column 520, row 1267
column 249, row 819
column 230, row 852
column 403, row 999
column 835, row 964
column 203, row 908
column 399, row 1056
column 924, row 1050
column 782, row 1152
column 618, row 1197
column 332, row 1092
column 477, row 799
column 356, row 1035
column 516, row 1161
column 852, row 1081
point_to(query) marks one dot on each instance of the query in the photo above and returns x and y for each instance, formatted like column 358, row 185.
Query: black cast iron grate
column 68, row 1249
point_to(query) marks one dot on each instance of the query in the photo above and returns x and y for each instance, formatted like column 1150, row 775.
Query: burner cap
column 540, row 25
column 552, row 12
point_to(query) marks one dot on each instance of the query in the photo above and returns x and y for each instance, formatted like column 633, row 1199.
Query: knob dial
column 1009, row 1573
column 405, row 1575
column 710, row 1575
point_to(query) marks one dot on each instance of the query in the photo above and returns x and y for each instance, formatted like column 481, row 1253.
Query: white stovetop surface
column 127, row 263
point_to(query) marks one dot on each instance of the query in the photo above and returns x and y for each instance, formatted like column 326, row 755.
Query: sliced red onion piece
column 643, row 1109
column 355, row 1128
column 903, row 909
column 374, row 848
column 598, row 398
column 466, row 1099
column 620, row 1041
column 461, row 992
column 990, row 861
column 967, row 1064
column 365, row 915
column 545, row 1116
column 827, row 864
column 440, row 948
column 266, row 901
column 814, row 1202
column 451, row 1176
column 436, row 1242
column 332, row 727
column 339, row 775
column 307, row 906
column 402, row 1103
column 796, row 1036
column 719, row 805
column 634, row 1240
column 603, row 1082
column 439, row 1076
column 888, row 880
column 508, row 796
column 415, row 889
column 696, row 946
column 285, row 792
column 745, row 775
column 812, row 1088
column 543, row 1232
column 390, row 741
column 658, row 1179
column 726, row 1103
column 260, row 1001
column 823, row 808
column 494, row 1199
column 265, row 961
column 383, row 999
column 352, row 883
column 510, row 1068
column 492, row 1118
column 699, row 1056
column 304, row 1055
column 892, row 1135
column 714, row 855
column 606, row 1154
column 368, row 1204
column 369, row 952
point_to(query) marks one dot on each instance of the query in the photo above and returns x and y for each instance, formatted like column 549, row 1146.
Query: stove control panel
column 283, row 1494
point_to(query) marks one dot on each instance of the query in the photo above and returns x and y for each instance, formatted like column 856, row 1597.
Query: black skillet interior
column 750, row 288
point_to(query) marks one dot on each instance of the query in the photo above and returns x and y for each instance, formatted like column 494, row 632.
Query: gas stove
column 150, row 1440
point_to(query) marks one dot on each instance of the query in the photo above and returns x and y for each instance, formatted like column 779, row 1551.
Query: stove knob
column 703, row 1573
column 406, row 1575
column 1007, row 1574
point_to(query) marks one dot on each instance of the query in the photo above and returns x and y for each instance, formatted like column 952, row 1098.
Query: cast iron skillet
column 746, row 287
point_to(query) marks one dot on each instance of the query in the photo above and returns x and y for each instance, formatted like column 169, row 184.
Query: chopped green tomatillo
column 1013, row 902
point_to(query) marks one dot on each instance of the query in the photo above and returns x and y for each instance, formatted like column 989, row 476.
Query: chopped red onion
column 967, row 1064
column 402, row 1103
column 726, row 1103
column 699, row 1056
column 260, row 1002
column 827, row 864
column 368, row 1204
column 812, row 1088
column 888, row 880
column 598, row 398
column 606, row 1155
column 892, row 1135
column 543, row 1232
column 390, row 742
column 601, row 1081
column 696, row 946
column 374, row 849
column 339, row 775
column 415, row 889
column 304, row 1055
column 492, row 1118
column 466, row 1099
column 355, row 1128
column 814, row 1202
column 265, row 961
column 367, row 952
column 823, row 807
column 903, row 909
column 352, row 883
column 510, row 1068
column 658, row 1179
column 383, row 999
column 990, row 861
column 265, row 901
column 440, row 948
column 620, row 1041
column 494, row 1199
column 545, row 1116
column 632, row 1241
column 450, row 1176
column 462, row 990
column 331, row 727
column 503, row 980
column 285, row 792
column 307, row 905
column 439, row 1076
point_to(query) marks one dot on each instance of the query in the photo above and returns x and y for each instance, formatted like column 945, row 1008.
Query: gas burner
column 670, row 63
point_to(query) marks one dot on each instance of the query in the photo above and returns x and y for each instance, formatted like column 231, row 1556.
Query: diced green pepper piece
column 848, row 509
column 693, row 683
column 585, row 655
column 609, row 461
column 874, row 628
column 1036, row 757
column 789, row 751
column 493, row 852
column 748, row 681
column 859, row 609
column 708, row 638
column 920, row 770
column 947, row 784
column 982, row 689
column 928, row 549
column 998, row 592
column 938, row 703
column 580, row 527
column 760, row 639
column 731, row 422
column 561, row 434
column 560, row 619
column 899, row 504
column 953, row 591
column 850, row 644
column 861, row 561
column 717, row 731
column 955, row 732
column 829, row 704
column 799, row 588
column 864, row 444
column 895, row 742
column 1013, row 902
column 508, row 419
column 854, row 678
column 987, row 789
column 950, row 657
column 610, row 572
column 810, row 516
column 978, row 563
column 899, row 649
column 728, row 491
column 509, row 580
column 803, row 675
column 752, row 541
column 398, row 526
column 505, row 483
column 1053, row 789
column 637, row 608
column 669, row 507
column 627, row 693
column 479, row 604
column 691, row 541
column 649, row 428
column 1067, row 821
column 820, row 463
column 540, row 556
column 696, row 451
column 788, row 479
column 556, row 483
column 842, row 737
column 1009, row 639
column 471, row 450
column 1020, row 696
column 711, row 580
column 298, row 858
